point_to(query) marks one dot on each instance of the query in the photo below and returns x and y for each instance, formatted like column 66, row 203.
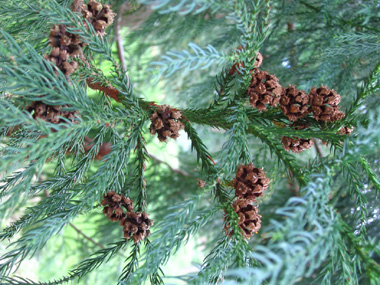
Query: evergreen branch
column 235, row 149
column 282, row 155
column 300, row 243
column 85, row 267
column 369, row 88
column 372, row 176
column 142, row 155
column 174, row 230
column 202, row 153
column 132, row 264
column 75, row 25
column 200, row 58
column 183, row 7
column 99, row 183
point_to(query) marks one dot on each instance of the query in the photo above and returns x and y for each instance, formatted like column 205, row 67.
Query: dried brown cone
column 59, row 58
column 294, row 103
column 324, row 104
column 98, row 15
column 296, row 145
column 250, row 182
column 51, row 114
column 345, row 131
column 136, row 226
column 165, row 122
column 238, row 65
column 65, row 41
column 114, row 204
column 249, row 218
column 264, row 89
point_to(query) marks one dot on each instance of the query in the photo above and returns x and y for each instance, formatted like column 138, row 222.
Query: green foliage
column 320, row 216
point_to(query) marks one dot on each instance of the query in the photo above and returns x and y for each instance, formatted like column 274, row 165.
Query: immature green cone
column 264, row 89
column 165, row 122
column 98, row 15
column 324, row 104
column 114, row 204
column 51, row 114
column 250, row 182
column 296, row 145
column 294, row 103
column 249, row 218
column 136, row 226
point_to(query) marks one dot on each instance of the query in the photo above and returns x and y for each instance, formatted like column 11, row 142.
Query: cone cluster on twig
column 66, row 45
column 166, row 123
column 119, row 208
column 51, row 114
column 265, row 90
column 250, row 183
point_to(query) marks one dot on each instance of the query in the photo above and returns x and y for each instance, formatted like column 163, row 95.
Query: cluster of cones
column 166, row 123
column 118, row 208
column 66, row 45
column 265, row 90
column 250, row 183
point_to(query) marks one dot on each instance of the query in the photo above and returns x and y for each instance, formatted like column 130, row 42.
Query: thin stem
column 119, row 40
column 181, row 172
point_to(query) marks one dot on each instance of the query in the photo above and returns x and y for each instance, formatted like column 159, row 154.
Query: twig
column 181, row 172
column 86, row 236
column 47, row 194
column 119, row 40
column 318, row 148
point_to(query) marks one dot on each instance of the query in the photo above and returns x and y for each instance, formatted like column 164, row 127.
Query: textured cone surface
column 294, row 103
column 165, row 123
column 238, row 66
column 59, row 58
column 136, row 226
column 264, row 89
column 249, row 218
column 98, row 15
column 324, row 104
column 64, row 40
column 297, row 144
column 114, row 204
column 250, row 182
column 51, row 114
column 345, row 131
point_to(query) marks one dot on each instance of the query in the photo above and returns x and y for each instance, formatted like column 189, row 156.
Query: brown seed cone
column 51, row 114
column 59, row 58
column 238, row 65
column 324, row 104
column 264, row 89
column 296, row 145
column 249, row 218
column 345, row 131
column 98, row 15
column 136, row 225
column 165, row 123
column 250, row 182
column 114, row 206
column 294, row 103
column 65, row 41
